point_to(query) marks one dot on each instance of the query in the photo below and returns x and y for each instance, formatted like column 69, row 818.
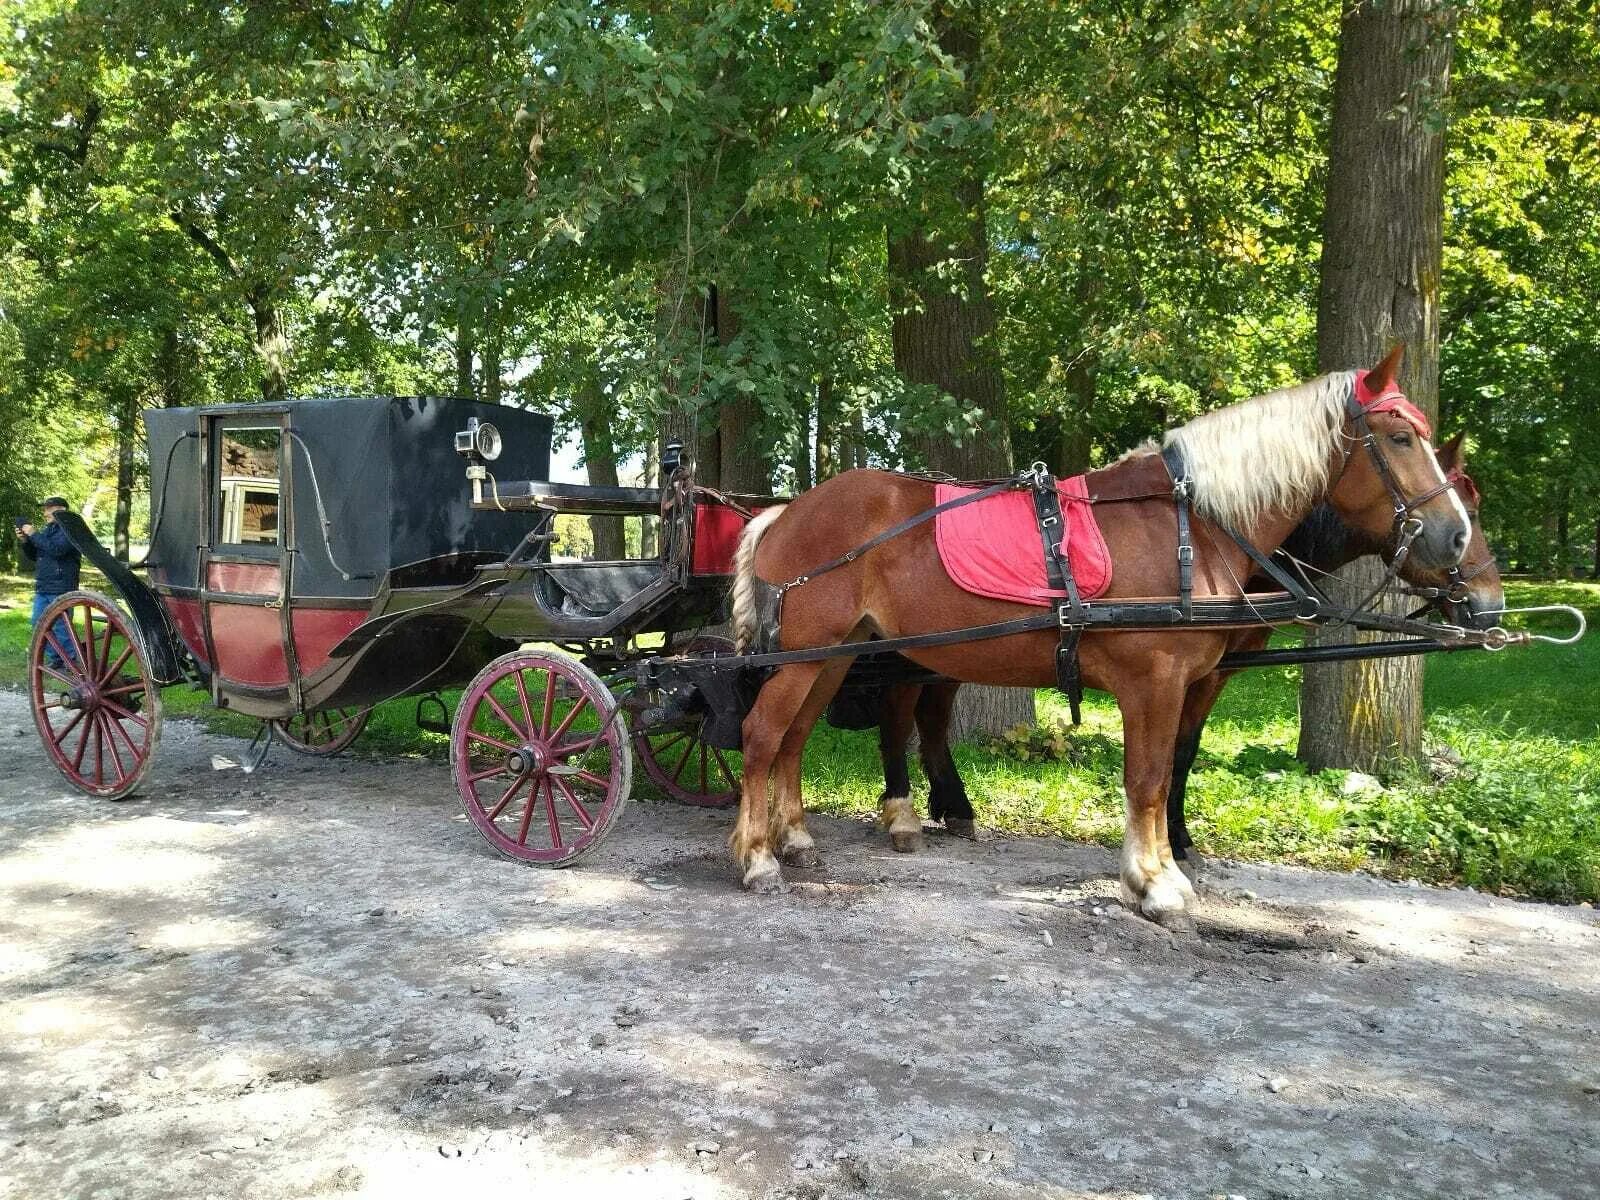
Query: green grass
column 1519, row 813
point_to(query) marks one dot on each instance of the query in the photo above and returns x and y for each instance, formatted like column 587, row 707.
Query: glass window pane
column 248, row 487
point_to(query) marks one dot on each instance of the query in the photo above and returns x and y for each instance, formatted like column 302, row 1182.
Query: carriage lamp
column 478, row 443
column 479, row 439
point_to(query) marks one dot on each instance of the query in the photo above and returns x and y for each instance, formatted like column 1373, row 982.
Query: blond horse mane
column 1271, row 453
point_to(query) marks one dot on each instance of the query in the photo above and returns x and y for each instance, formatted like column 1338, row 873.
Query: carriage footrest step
column 432, row 716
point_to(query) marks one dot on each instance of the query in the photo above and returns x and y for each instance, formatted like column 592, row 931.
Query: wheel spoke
column 603, row 784
column 83, row 744
column 527, row 813
column 60, row 737
column 49, row 670
column 111, row 744
column 566, row 751
column 550, row 813
column 704, row 754
column 572, row 799
column 61, row 652
column 132, row 746
column 505, row 797
column 124, row 713
column 727, row 771
column 99, row 751
column 480, row 776
column 89, row 663
column 549, row 702
column 682, row 762
column 566, row 721
column 504, row 716
column 474, row 735
column 660, row 748
column 110, row 673
column 104, row 672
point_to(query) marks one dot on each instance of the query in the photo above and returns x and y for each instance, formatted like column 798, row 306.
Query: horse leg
column 1151, row 881
column 896, row 812
column 1197, row 705
column 947, row 796
column 781, row 698
column 795, row 845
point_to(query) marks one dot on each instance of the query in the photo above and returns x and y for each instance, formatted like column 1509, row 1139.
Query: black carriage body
column 285, row 528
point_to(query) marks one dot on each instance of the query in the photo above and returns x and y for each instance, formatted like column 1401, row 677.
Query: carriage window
column 248, row 487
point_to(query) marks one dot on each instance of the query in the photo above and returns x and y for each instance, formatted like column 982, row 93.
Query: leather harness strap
column 1071, row 614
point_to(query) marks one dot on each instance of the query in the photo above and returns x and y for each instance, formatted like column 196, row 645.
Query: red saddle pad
column 992, row 547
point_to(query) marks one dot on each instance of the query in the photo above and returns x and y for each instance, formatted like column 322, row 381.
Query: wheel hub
column 81, row 696
column 529, row 759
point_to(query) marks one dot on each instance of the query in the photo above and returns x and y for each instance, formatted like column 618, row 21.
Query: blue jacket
column 57, row 558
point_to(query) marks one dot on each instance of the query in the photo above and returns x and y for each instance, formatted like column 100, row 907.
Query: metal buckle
column 1048, row 520
column 1186, row 553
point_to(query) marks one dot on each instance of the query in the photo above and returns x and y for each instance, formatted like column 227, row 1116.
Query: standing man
column 55, row 571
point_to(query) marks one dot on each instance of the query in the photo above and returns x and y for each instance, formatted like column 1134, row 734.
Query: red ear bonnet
column 1377, row 392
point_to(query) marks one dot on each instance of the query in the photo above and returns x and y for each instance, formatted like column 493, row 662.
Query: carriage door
column 246, row 565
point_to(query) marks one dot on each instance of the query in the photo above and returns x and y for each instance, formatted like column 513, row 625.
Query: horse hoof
column 962, row 827
column 1175, row 920
column 906, row 843
column 768, row 883
column 804, row 857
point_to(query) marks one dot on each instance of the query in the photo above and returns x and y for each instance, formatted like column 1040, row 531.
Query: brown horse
column 1472, row 597
column 1260, row 467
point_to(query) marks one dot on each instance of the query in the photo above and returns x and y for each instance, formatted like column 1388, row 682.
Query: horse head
column 1390, row 485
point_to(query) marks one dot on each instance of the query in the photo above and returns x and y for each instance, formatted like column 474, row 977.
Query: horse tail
column 746, row 607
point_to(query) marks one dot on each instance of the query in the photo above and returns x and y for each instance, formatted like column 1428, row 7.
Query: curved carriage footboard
column 161, row 642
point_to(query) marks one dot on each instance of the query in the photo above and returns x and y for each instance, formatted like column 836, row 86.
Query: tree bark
column 943, row 337
column 1074, row 444
column 272, row 343
column 464, row 353
column 746, row 458
column 127, row 418
column 600, row 461
column 169, row 370
column 1381, row 262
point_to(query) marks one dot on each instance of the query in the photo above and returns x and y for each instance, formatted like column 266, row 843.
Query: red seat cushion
column 992, row 547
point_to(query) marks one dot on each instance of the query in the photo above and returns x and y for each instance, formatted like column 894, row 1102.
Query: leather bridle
column 1407, row 528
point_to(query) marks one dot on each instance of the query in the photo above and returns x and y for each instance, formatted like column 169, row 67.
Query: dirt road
column 317, row 981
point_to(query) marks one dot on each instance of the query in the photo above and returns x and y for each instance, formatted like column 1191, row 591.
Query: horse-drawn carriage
column 310, row 560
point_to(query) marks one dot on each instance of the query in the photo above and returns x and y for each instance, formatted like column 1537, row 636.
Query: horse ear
column 1385, row 374
column 1451, row 454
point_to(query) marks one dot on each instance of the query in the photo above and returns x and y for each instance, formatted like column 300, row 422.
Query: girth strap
column 1071, row 614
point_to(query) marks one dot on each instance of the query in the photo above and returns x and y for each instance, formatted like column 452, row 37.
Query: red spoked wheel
column 682, row 765
column 94, row 703
column 541, row 757
column 323, row 733
column 677, row 759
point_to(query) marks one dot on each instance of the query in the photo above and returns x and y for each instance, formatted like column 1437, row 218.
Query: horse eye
column 1400, row 439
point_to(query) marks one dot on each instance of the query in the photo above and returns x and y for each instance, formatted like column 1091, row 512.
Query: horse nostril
column 1459, row 544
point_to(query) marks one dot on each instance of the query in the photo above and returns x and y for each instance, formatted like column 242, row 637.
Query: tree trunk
column 169, row 370
column 272, row 343
column 943, row 336
column 827, row 431
column 1381, row 262
column 464, row 353
column 490, row 367
column 600, row 461
column 1074, row 445
column 127, row 418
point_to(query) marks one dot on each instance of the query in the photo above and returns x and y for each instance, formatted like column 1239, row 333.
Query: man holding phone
column 56, row 564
